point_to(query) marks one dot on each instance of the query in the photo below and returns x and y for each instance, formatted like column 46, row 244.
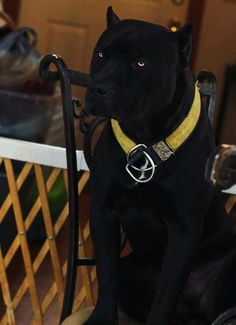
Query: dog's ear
column 185, row 42
column 112, row 18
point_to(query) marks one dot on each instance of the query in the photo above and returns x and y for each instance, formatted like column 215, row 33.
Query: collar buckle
column 146, row 170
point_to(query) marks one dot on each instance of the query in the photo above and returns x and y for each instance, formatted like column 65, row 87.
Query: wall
column 2, row 22
column 217, row 44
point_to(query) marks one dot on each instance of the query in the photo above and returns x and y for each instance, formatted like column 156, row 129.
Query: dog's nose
column 101, row 90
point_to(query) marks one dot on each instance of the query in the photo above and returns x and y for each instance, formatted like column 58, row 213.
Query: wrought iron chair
column 68, row 77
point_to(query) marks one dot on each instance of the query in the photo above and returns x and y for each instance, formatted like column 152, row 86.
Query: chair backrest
column 207, row 85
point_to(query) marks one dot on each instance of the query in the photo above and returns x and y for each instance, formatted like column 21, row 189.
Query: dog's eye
column 101, row 55
column 140, row 64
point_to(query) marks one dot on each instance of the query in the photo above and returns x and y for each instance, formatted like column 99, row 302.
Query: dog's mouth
column 103, row 106
column 114, row 106
column 109, row 110
column 96, row 105
column 97, row 109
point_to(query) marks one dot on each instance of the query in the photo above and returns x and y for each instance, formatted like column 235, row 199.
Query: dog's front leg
column 105, row 232
column 175, row 269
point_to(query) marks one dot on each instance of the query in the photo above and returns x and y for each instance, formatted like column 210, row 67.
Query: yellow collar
column 174, row 140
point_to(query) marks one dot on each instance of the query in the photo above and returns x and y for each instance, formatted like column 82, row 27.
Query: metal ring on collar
column 129, row 157
column 129, row 166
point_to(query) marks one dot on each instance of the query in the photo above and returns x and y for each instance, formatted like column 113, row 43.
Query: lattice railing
column 14, row 204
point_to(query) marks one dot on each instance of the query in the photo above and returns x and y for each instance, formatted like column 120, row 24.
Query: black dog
column 173, row 218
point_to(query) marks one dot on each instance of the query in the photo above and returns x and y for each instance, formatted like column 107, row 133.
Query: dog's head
column 135, row 67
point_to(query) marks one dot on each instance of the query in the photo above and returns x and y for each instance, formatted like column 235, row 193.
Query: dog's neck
column 154, row 130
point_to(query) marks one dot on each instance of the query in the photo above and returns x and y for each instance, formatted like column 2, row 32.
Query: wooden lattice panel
column 42, row 180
